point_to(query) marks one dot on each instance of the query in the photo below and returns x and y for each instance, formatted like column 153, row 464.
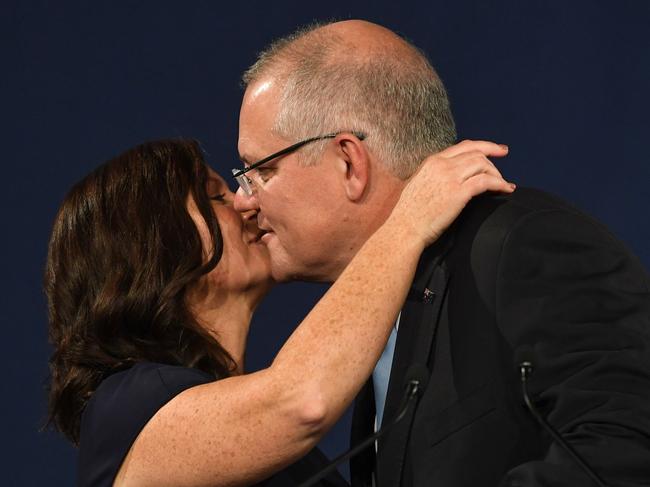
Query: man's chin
column 281, row 268
column 286, row 269
column 282, row 271
column 281, row 276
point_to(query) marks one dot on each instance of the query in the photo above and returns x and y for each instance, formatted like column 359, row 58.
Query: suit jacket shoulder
column 530, row 269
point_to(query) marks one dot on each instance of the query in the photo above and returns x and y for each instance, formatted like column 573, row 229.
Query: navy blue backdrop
column 565, row 84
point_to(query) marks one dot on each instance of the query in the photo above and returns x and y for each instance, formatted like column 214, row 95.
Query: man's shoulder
column 490, row 217
column 527, row 222
column 506, row 209
column 478, row 236
column 487, row 219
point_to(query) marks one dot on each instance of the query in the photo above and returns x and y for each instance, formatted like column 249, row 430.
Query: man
column 521, row 272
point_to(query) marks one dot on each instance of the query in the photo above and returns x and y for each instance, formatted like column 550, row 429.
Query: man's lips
column 259, row 236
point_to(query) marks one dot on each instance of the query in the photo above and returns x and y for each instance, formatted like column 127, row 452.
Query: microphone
column 417, row 377
column 524, row 357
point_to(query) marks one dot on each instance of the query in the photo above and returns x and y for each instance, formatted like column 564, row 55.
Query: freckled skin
column 241, row 429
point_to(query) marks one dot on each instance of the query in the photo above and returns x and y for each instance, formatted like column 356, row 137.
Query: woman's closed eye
column 219, row 197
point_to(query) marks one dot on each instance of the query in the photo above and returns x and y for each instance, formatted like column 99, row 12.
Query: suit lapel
column 363, row 464
column 418, row 324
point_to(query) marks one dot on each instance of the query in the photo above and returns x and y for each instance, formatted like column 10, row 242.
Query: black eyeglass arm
column 291, row 148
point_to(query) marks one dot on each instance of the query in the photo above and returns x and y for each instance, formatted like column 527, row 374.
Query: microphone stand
column 412, row 390
column 526, row 368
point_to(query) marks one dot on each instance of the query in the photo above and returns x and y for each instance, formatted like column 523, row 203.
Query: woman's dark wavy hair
column 123, row 253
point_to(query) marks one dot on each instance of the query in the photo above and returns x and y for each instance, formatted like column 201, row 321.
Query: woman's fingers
column 469, row 164
column 481, row 183
column 445, row 182
column 483, row 146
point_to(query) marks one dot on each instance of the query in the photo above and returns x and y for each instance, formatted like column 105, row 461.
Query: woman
column 152, row 278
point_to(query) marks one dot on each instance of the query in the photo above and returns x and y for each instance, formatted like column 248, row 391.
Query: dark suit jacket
column 523, row 269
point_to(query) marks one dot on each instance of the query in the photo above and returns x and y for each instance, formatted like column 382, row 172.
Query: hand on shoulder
column 445, row 182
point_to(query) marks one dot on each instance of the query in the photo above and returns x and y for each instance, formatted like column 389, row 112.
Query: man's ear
column 354, row 163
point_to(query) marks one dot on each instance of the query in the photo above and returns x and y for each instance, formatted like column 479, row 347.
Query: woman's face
column 244, row 264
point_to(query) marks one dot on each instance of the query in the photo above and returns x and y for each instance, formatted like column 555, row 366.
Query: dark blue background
column 565, row 84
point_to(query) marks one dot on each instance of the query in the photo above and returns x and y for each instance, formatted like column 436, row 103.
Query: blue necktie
column 381, row 376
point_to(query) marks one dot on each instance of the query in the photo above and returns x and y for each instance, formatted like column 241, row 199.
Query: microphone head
column 418, row 374
column 524, row 360
column 524, row 353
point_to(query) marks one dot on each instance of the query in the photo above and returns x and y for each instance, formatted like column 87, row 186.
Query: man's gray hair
column 395, row 98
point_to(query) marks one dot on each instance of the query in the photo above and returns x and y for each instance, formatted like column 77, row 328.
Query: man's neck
column 369, row 216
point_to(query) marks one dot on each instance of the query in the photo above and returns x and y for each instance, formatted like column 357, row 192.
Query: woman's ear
column 355, row 165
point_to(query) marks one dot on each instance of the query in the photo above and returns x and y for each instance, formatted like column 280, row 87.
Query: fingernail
column 513, row 185
column 504, row 146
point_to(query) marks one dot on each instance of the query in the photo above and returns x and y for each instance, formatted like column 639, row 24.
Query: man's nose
column 243, row 202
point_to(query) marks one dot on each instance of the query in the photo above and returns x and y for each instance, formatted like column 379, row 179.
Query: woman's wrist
column 404, row 235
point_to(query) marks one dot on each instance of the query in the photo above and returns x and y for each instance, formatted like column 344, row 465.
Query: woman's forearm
column 239, row 430
column 341, row 339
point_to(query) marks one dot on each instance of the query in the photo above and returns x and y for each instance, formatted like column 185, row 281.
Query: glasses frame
column 245, row 183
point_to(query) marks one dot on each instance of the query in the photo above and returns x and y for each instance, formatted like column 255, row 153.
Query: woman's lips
column 259, row 237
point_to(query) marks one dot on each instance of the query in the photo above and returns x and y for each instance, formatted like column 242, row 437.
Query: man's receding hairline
column 285, row 54
column 330, row 78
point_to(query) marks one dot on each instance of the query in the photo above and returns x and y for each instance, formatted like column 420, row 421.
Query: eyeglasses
column 246, row 183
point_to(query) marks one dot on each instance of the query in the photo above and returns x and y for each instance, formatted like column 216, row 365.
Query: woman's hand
column 445, row 182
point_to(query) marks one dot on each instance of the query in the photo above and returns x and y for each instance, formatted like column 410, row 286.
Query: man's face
column 301, row 207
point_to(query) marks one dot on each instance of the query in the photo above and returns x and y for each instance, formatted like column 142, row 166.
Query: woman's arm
column 239, row 430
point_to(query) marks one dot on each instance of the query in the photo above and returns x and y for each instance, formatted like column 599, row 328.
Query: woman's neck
column 227, row 318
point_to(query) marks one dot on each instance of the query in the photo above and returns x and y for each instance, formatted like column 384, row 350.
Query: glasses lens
column 243, row 181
